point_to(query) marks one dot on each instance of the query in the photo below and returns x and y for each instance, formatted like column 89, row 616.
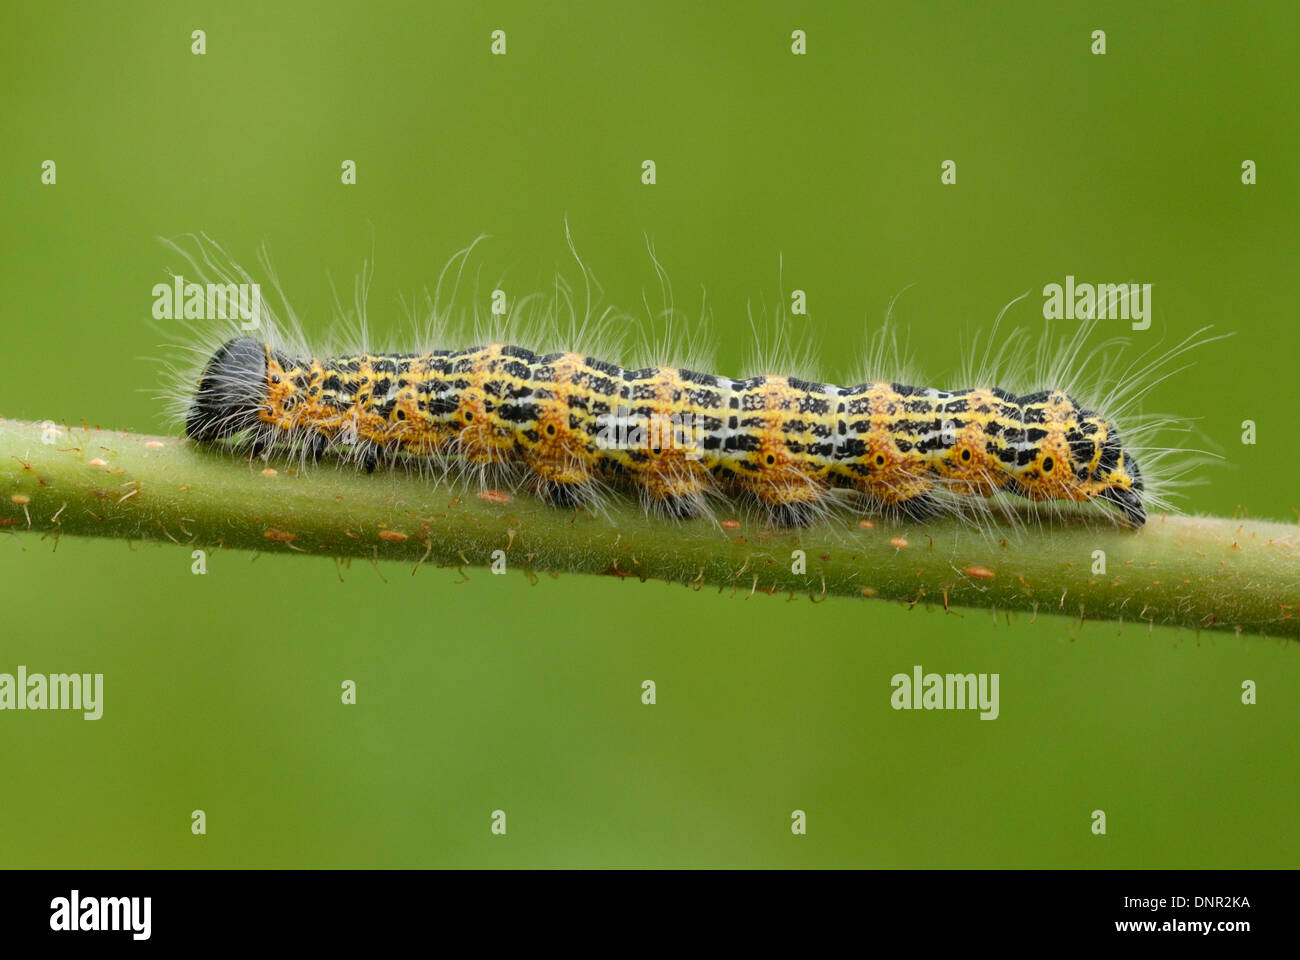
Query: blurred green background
column 222, row 692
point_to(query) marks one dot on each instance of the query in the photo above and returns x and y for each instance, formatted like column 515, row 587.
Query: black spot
column 518, row 413
column 442, row 406
column 1081, row 448
column 814, row 404
column 850, row 448
column 805, row 385
column 1110, row 454
column 704, row 379
column 704, row 399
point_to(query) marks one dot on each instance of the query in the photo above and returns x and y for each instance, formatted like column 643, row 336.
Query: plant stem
column 1206, row 573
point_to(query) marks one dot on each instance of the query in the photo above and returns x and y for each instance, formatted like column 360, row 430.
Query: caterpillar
column 782, row 441
column 573, row 425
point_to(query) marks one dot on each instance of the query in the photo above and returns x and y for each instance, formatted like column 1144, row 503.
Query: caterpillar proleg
column 571, row 425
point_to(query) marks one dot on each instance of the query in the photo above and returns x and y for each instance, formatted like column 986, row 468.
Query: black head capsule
column 1135, row 513
column 1128, row 498
column 231, row 391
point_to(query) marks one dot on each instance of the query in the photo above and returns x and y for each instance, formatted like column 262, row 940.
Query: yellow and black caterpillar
column 785, row 443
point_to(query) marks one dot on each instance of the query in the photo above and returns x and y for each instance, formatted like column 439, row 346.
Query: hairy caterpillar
column 570, row 425
column 780, row 440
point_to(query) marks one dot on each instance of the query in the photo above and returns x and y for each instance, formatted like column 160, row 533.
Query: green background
column 222, row 692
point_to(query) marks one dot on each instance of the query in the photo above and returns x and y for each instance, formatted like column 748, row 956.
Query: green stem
column 1187, row 571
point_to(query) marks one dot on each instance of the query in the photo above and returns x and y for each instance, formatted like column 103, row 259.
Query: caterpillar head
column 1107, row 470
column 1068, row 453
column 231, row 391
column 1122, row 486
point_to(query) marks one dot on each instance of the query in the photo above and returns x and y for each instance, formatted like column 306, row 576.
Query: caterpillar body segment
column 573, row 423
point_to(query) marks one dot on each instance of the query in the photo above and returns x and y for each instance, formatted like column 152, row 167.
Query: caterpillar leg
column 370, row 457
column 565, row 494
column 682, row 508
column 798, row 513
column 674, row 487
column 906, row 497
column 683, row 500
column 795, row 502
column 919, row 508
